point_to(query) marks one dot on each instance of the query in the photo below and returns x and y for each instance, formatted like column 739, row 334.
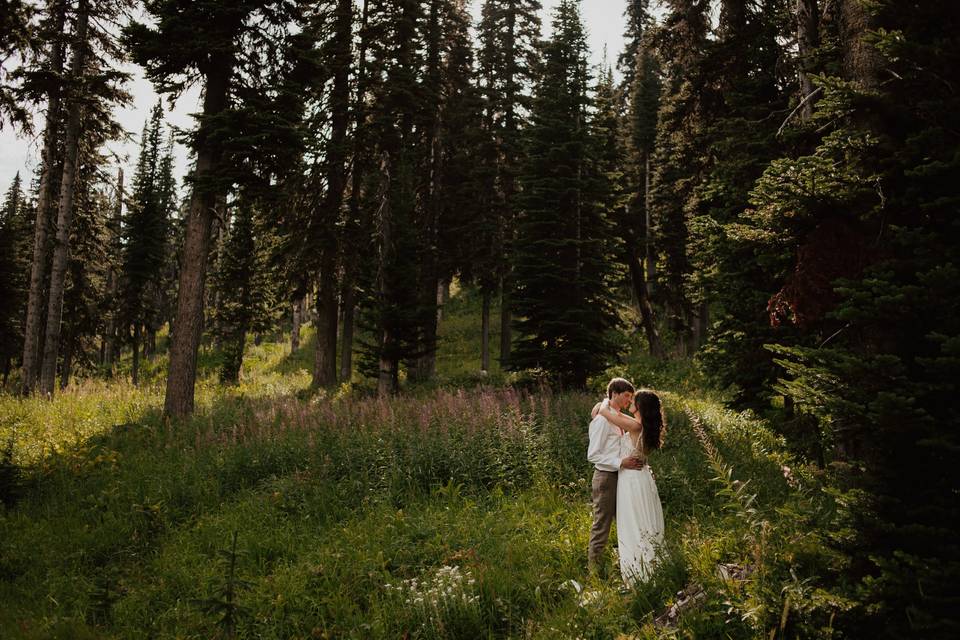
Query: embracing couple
column 623, row 484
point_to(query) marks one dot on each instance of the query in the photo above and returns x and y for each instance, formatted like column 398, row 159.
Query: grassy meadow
column 455, row 511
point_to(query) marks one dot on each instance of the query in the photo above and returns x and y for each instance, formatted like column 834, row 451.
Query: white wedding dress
column 639, row 517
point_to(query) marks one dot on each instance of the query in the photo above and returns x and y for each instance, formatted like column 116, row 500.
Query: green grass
column 443, row 513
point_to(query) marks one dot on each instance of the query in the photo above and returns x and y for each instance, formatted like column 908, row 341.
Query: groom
column 604, row 453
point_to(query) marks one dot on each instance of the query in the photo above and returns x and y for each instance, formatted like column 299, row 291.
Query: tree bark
column 325, row 357
column 654, row 344
column 135, row 369
column 861, row 61
column 113, row 280
column 61, row 250
column 69, row 345
column 808, row 39
column 188, row 322
column 325, row 363
column 38, row 267
column 297, row 321
column 506, row 341
column 349, row 304
column 485, row 331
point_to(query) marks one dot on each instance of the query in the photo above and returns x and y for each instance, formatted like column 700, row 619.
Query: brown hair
column 619, row 385
column 652, row 418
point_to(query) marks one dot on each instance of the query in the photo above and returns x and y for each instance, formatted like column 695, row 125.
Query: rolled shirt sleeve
column 600, row 452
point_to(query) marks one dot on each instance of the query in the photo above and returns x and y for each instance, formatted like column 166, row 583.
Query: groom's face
column 621, row 400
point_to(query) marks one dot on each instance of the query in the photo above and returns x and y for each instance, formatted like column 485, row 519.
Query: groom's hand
column 633, row 463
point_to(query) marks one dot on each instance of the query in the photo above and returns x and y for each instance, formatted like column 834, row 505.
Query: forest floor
column 455, row 511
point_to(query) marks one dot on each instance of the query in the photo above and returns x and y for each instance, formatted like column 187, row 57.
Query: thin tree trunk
column 648, row 260
column 357, row 213
column 135, row 370
column 188, row 323
column 505, row 326
column 113, row 280
column 654, row 344
column 38, row 267
column 485, row 332
column 61, row 250
column 388, row 377
column 297, row 321
column 346, row 335
column 808, row 38
column 69, row 345
column 325, row 363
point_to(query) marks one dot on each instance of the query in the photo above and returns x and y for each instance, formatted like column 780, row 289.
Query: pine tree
column 563, row 295
column 16, row 40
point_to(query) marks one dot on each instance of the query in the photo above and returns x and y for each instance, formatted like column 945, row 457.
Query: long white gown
column 639, row 518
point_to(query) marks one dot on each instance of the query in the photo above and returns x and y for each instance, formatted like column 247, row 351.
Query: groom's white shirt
column 604, row 448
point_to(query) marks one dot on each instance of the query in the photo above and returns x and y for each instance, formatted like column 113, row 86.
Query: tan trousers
column 604, row 511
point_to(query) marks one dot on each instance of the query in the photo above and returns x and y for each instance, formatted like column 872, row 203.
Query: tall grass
column 443, row 513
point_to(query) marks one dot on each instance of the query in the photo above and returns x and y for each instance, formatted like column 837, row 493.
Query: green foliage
column 563, row 272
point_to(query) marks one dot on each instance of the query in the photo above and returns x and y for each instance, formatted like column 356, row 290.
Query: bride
column 639, row 514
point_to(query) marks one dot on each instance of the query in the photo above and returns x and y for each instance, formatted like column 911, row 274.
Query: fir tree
column 565, row 238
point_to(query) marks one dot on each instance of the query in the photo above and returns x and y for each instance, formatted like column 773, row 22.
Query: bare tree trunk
column 643, row 301
column 297, row 321
column 388, row 378
column 61, row 250
column 861, row 61
column 188, row 323
column 346, row 335
column 325, row 358
column 506, row 341
column 325, row 363
column 69, row 345
column 649, row 262
column 38, row 267
column 808, row 38
column 485, row 332
column 113, row 280
column 135, row 370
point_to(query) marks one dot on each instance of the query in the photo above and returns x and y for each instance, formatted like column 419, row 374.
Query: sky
column 602, row 18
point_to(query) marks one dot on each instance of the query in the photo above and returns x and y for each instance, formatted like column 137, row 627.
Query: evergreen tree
column 213, row 39
column 875, row 287
column 14, row 266
column 679, row 160
column 508, row 61
column 565, row 238
column 16, row 40
column 145, row 233
column 247, row 293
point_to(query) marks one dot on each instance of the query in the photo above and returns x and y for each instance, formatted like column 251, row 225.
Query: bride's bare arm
column 624, row 422
column 596, row 410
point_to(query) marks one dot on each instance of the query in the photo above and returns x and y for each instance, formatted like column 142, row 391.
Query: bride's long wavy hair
column 652, row 418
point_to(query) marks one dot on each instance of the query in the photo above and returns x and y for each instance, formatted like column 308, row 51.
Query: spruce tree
column 679, row 159
column 565, row 237
column 145, row 239
column 14, row 267
column 508, row 62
